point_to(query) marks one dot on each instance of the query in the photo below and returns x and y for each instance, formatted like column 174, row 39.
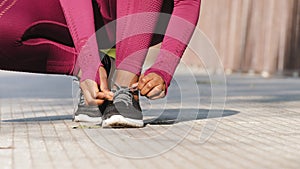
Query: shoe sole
column 118, row 121
column 86, row 118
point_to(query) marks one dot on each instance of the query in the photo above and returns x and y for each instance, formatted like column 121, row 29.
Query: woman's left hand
column 152, row 86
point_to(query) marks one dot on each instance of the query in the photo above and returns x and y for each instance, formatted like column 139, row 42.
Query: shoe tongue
column 125, row 90
column 124, row 96
column 121, row 90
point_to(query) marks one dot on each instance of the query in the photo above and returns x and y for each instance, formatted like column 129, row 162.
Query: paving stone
column 258, row 128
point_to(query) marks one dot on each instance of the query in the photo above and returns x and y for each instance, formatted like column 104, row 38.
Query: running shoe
column 93, row 114
column 124, row 111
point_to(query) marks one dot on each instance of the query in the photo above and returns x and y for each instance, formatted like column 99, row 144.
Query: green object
column 110, row 52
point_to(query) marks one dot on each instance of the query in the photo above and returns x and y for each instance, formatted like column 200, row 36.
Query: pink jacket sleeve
column 80, row 20
column 180, row 29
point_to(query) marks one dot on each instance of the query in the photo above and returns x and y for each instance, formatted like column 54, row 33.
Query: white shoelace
column 123, row 94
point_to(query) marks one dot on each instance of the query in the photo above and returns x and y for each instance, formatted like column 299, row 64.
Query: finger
column 105, row 95
column 143, row 81
column 161, row 95
column 90, row 91
column 96, row 102
column 155, row 91
column 148, row 87
column 101, row 95
column 141, row 76
column 135, row 85
column 90, row 100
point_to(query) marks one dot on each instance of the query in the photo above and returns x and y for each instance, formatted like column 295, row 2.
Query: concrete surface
column 258, row 128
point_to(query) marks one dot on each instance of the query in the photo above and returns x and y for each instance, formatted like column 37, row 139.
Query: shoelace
column 81, row 99
column 123, row 94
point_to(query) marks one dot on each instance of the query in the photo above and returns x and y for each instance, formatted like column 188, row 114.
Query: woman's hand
column 91, row 91
column 152, row 86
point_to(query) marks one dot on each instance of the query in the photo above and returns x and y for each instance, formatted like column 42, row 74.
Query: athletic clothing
column 54, row 36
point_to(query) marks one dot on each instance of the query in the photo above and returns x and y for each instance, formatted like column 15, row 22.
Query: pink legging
column 35, row 36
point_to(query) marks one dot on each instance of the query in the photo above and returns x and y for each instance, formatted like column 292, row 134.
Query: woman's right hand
column 91, row 92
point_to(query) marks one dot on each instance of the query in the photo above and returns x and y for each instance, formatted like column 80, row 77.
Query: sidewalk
column 259, row 127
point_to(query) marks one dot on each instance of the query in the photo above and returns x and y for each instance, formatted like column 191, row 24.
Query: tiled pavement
column 260, row 127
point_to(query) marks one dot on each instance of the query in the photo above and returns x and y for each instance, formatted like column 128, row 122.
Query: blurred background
column 252, row 36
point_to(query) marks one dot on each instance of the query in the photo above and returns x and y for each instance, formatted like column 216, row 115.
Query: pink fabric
column 80, row 20
column 27, row 44
column 57, row 18
column 24, row 47
column 131, row 51
column 181, row 26
column 132, row 43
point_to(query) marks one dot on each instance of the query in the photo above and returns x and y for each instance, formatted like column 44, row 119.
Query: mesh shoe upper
column 124, row 104
column 91, row 111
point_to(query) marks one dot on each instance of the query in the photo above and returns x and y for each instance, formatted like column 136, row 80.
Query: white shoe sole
column 118, row 121
column 86, row 118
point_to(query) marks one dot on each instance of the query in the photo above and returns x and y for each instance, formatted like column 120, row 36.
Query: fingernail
column 135, row 85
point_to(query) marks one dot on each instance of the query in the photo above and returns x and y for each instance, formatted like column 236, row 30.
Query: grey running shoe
column 92, row 114
column 87, row 113
column 124, row 111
